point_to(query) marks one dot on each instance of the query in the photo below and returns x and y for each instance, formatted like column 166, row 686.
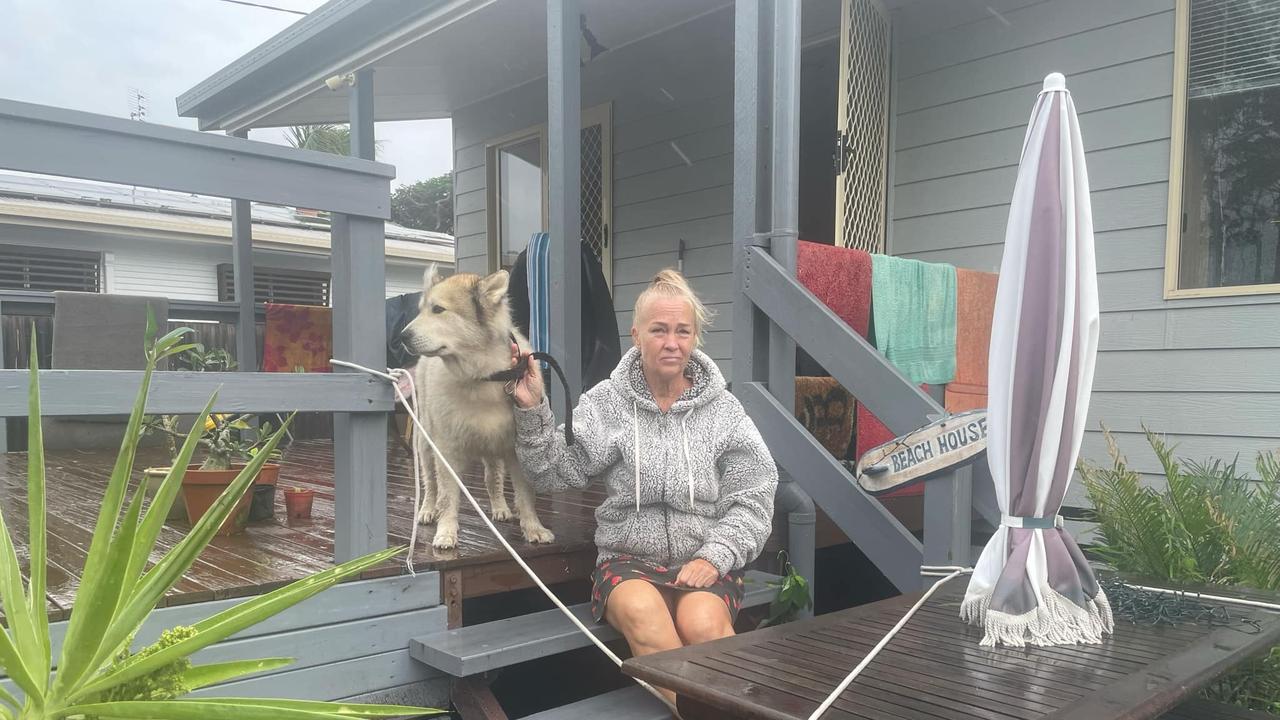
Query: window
column 48, row 269
column 278, row 285
column 518, row 190
column 519, row 179
column 1224, row 219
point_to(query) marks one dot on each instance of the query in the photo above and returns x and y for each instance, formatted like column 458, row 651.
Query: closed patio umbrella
column 1032, row 584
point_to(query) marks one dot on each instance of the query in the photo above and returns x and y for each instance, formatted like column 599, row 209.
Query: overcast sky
column 91, row 54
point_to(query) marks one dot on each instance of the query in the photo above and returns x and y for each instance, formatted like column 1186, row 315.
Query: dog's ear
column 429, row 279
column 493, row 288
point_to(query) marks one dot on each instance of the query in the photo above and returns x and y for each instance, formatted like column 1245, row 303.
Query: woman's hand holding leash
column 697, row 573
column 527, row 390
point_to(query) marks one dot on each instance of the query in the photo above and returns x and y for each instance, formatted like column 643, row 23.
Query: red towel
column 840, row 277
column 297, row 338
column 975, row 303
column 872, row 433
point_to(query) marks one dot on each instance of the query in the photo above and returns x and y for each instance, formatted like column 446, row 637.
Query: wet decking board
column 934, row 669
column 269, row 554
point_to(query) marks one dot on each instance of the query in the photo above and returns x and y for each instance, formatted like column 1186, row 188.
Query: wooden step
column 467, row 651
column 629, row 703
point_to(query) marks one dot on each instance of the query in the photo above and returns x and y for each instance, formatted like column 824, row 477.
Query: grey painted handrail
column 877, row 533
column 70, row 143
column 850, row 359
column 112, row 392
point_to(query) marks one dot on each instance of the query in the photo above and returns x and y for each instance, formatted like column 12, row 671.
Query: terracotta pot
column 298, row 503
column 201, row 488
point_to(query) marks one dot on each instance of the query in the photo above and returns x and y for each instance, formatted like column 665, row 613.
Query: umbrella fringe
column 1059, row 621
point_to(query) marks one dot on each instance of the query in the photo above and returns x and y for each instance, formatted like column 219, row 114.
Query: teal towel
column 913, row 309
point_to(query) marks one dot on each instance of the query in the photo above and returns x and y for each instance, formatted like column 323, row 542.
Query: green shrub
column 1212, row 523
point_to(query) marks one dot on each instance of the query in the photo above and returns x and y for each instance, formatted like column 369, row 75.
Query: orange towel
column 826, row 411
column 297, row 338
column 975, row 303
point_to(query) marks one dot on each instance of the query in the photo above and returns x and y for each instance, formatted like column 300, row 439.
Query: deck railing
column 773, row 313
column 54, row 141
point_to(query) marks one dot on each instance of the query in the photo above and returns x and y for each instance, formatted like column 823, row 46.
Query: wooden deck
column 269, row 554
column 934, row 668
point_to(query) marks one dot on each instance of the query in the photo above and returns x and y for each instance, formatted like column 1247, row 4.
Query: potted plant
column 194, row 357
column 297, row 502
column 229, row 442
column 98, row 672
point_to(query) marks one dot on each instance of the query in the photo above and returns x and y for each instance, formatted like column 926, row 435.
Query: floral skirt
column 611, row 573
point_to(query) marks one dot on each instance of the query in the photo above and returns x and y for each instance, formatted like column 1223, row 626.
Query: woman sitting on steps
column 689, row 480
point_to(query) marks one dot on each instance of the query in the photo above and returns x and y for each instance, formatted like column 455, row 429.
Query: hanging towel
column 297, row 338
column 825, row 409
column 975, row 303
column 871, row 433
column 913, row 310
column 840, row 277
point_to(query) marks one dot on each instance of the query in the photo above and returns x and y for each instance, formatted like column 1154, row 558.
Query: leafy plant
column 97, row 676
column 793, row 595
column 1211, row 524
column 201, row 359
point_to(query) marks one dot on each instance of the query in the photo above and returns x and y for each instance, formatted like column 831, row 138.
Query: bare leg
column 495, row 476
column 530, row 525
column 701, row 617
column 642, row 614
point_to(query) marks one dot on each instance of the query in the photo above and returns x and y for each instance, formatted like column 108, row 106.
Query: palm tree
column 325, row 137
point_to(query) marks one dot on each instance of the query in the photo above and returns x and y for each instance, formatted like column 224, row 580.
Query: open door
column 862, row 126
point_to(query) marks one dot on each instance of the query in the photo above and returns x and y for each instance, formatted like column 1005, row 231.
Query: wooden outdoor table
column 934, row 669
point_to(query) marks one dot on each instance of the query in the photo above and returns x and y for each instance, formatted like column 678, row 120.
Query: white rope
column 413, row 416
column 1273, row 607
column 931, row 571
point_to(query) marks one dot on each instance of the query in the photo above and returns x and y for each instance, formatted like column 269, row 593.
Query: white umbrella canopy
column 1032, row 584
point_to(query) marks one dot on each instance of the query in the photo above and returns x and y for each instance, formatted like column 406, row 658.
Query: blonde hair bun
column 669, row 283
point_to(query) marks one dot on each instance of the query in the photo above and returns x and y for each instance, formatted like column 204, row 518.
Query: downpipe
column 802, row 522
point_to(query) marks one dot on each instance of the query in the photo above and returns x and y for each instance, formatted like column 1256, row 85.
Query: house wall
column 672, row 104
column 1202, row 371
column 349, row 641
column 183, row 270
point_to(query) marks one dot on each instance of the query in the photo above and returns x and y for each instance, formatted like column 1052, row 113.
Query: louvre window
column 1230, row 192
column 278, row 285
column 48, row 269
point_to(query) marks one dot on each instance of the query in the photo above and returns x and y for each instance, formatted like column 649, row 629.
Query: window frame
column 43, row 252
column 601, row 115
column 226, row 274
column 1177, row 154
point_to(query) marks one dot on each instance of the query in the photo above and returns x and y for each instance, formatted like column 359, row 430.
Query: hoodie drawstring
column 684, row 441
column 635, row 422
column 688, row 458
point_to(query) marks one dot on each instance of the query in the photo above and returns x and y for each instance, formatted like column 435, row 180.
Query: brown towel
column 975, row 303
column 826, row 411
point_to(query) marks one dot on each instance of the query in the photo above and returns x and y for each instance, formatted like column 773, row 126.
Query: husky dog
column 462, row 335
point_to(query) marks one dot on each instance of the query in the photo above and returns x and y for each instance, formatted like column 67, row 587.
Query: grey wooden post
column 4, row 423
column 362, row 135
column 948, row 513
column 785, row 186
column 751, row 83
column 359, row 333
column 564, row 126
column 242, row 280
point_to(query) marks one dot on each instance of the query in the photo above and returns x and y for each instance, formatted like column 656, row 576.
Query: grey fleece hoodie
column 705, row 483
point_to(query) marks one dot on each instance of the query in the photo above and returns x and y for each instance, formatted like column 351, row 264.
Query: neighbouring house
column 66, row 234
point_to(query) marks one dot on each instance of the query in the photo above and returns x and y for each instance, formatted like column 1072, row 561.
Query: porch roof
column 431, row 57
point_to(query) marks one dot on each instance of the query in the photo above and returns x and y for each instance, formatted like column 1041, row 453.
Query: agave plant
column 97, row 675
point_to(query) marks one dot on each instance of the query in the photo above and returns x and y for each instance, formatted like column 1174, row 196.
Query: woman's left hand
column 698, row 573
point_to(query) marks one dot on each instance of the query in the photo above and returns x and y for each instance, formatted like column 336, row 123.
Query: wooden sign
column 946, row 444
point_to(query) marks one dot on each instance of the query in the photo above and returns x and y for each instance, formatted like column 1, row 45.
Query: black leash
column 517, row 372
